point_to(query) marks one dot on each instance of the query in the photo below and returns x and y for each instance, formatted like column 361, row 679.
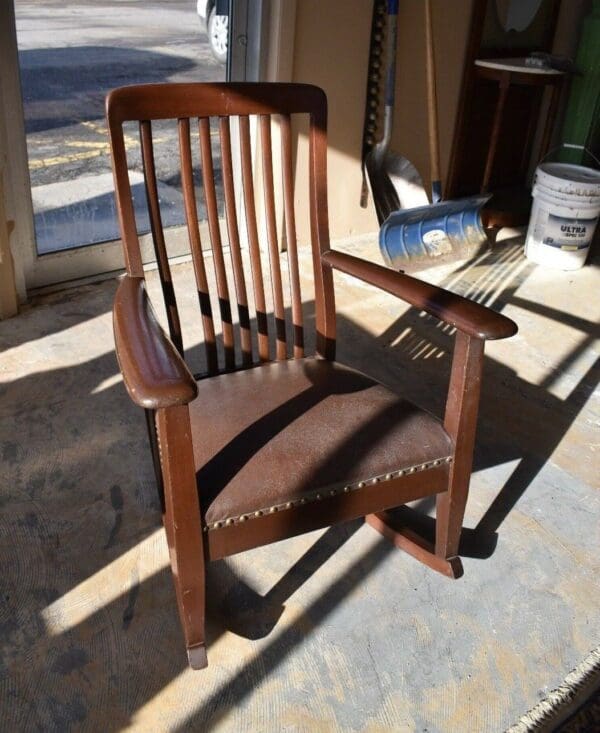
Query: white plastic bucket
column 564, row 214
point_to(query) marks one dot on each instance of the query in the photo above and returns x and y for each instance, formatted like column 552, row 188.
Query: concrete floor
column 332, row 631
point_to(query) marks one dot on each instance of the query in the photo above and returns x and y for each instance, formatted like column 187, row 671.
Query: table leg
column 530, row 136
column 550, row 118
column 489, row 163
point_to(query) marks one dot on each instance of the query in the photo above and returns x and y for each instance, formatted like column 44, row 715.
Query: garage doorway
column 58, row 158
column 70, row 55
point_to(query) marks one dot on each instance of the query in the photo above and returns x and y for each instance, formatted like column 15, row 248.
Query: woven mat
column 573, row 707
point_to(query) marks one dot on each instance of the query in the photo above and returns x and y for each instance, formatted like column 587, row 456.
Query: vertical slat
column 210, row 196
column 234, row 241
column 290, row 234
column 250, row 208
column 158, row 238
column 269, row 195
column 191, row 216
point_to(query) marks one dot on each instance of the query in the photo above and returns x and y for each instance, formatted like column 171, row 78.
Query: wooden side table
column 515, row 71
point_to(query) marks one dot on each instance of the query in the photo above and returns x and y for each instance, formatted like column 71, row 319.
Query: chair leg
column 183, row 527
column 460, row 421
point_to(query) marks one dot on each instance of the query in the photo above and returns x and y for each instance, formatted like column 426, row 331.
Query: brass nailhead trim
column 331, row 492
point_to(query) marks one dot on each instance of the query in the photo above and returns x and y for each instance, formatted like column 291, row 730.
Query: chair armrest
column 465, row 315
column 154, row 373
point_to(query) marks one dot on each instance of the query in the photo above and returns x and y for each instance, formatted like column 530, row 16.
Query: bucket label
column 568, row 234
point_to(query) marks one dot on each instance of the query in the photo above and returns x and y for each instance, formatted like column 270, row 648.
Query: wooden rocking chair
column 265, row 446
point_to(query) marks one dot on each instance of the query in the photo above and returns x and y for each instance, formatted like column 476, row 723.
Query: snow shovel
column 443, row 231
column 395, row 182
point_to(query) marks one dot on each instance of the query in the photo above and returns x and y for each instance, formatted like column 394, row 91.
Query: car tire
column 217, row 29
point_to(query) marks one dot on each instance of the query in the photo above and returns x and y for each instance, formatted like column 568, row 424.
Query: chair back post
column 124, row 201
column 319, row 223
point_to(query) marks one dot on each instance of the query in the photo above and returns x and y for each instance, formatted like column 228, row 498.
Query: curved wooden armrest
column 153, row 371
column 465, row 315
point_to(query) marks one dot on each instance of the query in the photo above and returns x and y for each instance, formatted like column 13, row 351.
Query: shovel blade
column 418, row 238
column 406, row 181
column 395, row 183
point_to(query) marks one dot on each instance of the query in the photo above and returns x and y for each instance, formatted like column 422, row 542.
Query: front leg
column 183, row 527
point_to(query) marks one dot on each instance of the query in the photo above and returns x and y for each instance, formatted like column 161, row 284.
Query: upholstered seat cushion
column 278, row 432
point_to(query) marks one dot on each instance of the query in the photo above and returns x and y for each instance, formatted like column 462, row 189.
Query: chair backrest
column 192, row 106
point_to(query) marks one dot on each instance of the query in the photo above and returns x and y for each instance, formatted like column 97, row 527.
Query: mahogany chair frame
column 158, row 379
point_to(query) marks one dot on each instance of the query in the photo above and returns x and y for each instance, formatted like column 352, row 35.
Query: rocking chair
column 269, row 442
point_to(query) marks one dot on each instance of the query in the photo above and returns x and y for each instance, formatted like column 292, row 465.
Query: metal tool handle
column 390, row 74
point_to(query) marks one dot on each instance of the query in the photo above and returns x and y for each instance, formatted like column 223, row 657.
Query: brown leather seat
column 293, row 431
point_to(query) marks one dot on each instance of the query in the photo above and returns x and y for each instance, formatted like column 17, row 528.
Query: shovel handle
column 392, row 34
column 434, row 148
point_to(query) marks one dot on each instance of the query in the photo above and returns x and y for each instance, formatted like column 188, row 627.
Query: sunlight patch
column 101, row 589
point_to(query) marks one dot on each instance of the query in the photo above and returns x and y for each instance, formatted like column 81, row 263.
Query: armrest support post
column 460, row 422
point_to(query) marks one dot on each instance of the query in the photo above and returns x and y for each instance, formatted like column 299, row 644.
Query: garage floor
column 335, row 630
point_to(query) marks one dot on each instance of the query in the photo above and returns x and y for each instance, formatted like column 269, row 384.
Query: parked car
column 216, row 26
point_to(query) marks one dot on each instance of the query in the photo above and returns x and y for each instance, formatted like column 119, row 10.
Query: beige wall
column 331, row 50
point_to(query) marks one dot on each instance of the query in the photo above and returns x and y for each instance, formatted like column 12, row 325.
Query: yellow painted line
column 101, row 147
column 63, row 159
column 93, row 125
column 103, row 131
column 86, row 144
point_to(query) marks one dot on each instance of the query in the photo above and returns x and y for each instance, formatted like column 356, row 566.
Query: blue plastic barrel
column 428, row 232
